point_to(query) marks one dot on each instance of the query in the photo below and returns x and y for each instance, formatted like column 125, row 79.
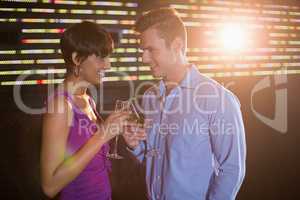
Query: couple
column 194, row 141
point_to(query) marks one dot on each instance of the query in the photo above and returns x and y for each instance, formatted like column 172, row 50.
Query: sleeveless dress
column 93, row 182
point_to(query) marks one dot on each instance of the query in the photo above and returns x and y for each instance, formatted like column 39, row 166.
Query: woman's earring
column 76, row 71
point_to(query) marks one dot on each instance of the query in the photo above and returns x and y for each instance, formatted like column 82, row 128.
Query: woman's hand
column 114, row 125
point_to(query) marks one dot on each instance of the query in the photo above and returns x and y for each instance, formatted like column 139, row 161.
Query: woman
column 74, row 144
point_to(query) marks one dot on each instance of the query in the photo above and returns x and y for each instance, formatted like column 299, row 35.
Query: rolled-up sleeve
column 138, row 152
column 228, row 144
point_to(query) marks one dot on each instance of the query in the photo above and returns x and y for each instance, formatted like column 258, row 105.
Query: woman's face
column 93, row 68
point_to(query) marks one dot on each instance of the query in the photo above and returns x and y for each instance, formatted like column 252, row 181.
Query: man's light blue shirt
column 198, row 133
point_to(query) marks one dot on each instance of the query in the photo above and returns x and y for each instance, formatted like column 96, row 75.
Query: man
column 195, row 146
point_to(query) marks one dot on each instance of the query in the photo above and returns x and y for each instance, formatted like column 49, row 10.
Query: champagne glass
column 119, row 107
column 140, row 118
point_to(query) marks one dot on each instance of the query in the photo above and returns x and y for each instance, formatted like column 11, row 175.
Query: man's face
column 160, row 57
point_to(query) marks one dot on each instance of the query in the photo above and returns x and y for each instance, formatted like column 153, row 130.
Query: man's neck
column 174, row 79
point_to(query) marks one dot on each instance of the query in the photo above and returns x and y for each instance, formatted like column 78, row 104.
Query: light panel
column 238, row 38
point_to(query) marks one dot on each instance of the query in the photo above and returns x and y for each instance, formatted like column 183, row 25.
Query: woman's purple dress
column 93, row 182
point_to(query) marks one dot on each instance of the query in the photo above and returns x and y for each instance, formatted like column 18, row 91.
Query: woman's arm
column 57, row 170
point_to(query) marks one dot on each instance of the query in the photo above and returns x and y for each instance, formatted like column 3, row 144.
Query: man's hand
column 134, row 133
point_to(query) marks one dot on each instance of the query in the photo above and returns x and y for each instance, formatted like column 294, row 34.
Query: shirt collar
column 189, row 81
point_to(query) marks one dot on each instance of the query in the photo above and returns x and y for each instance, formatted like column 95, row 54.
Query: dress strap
column 61, row 93
column 74, row 106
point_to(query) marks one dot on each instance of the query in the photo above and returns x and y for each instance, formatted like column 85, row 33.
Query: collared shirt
column 198, row 135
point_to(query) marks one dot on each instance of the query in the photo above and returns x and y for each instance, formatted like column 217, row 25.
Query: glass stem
column 116, row 144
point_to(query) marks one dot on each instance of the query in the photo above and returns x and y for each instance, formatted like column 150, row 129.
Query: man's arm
column 228, row 144
column 137, row 140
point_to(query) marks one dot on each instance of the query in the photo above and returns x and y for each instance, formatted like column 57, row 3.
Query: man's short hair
column 85, row 38
column 166, row 21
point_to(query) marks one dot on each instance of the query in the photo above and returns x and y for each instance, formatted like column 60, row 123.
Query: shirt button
column 158, row 177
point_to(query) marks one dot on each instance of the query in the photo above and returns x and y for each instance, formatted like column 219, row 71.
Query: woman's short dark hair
column 85, row 38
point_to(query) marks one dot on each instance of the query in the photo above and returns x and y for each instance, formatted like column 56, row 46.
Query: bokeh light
column 233, row 37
